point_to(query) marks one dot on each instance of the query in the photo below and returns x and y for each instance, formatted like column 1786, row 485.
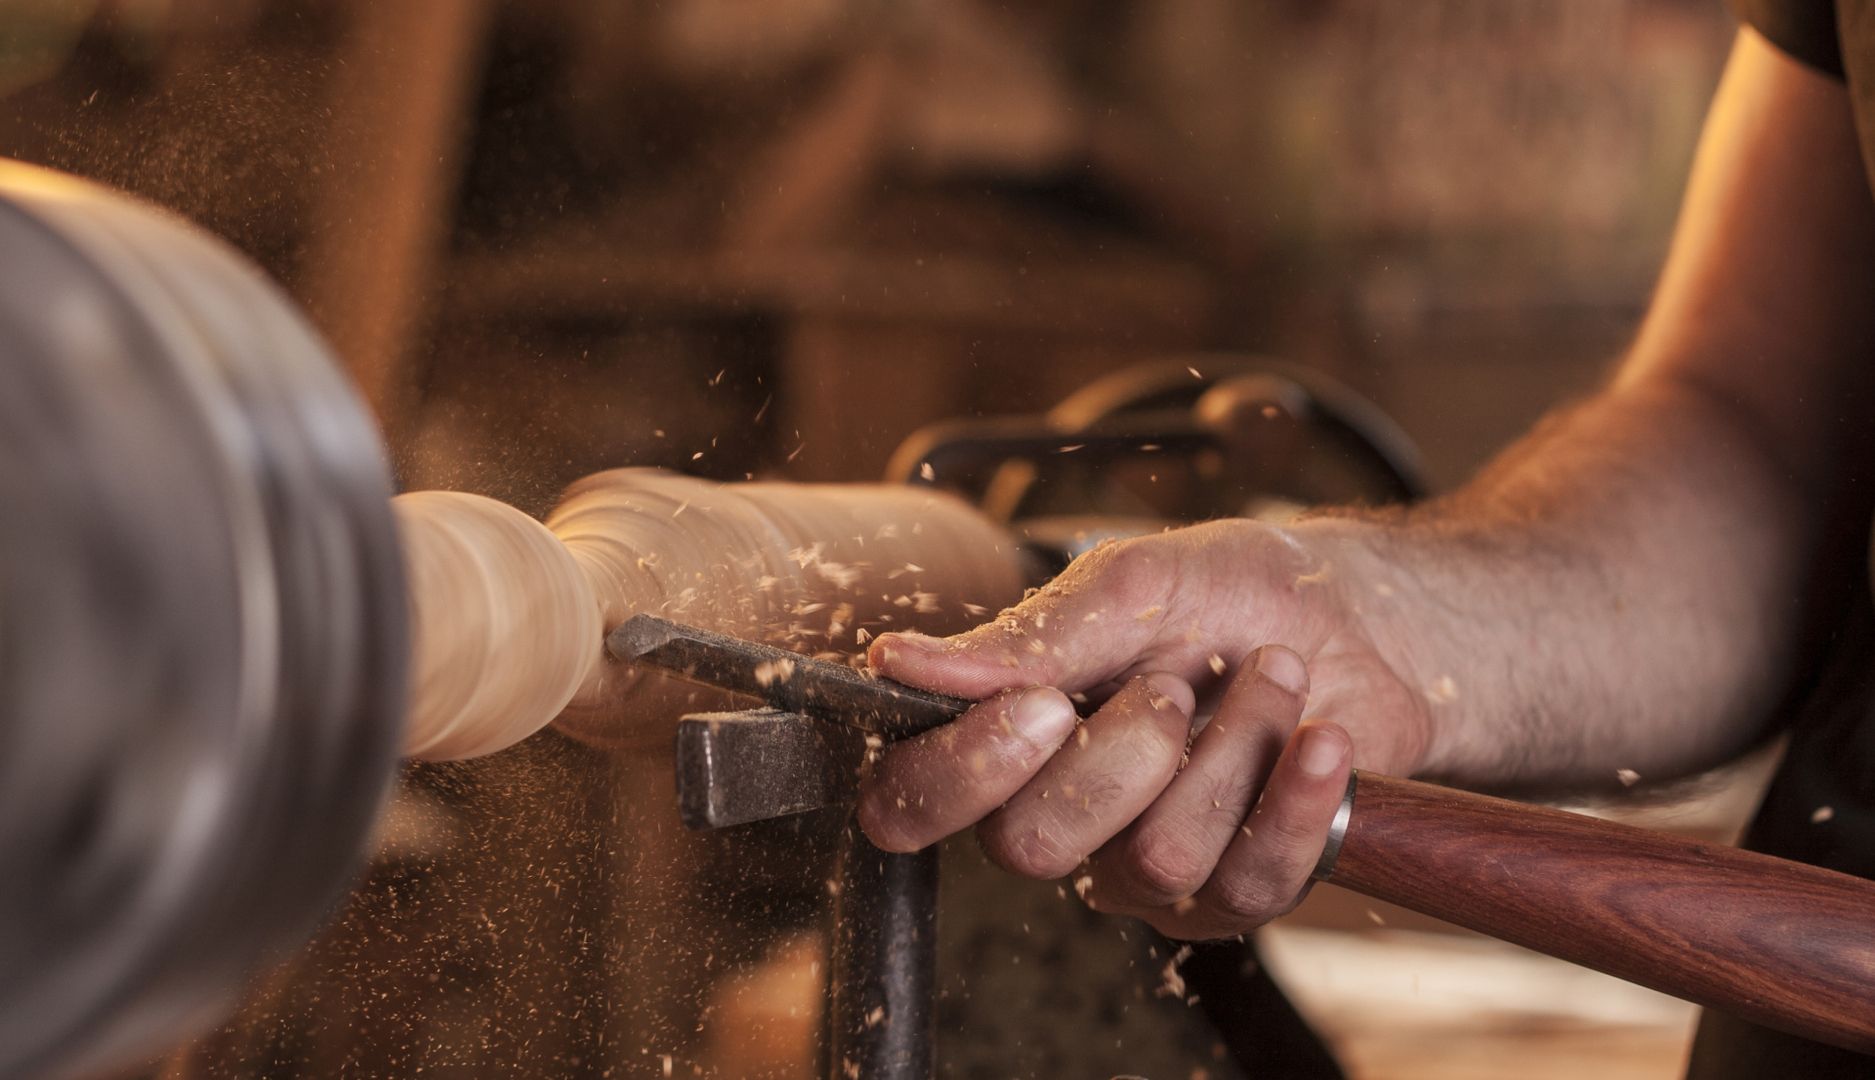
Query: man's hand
column 1630, row 588
column 1202, row 836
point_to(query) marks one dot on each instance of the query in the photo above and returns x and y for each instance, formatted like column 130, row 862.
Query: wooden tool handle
column 1781, row 943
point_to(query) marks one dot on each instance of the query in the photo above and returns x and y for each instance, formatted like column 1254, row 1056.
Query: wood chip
column 1443, row 691
column 769, row 672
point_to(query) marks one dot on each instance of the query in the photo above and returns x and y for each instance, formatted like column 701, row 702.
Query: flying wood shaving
column 1083, row 884
column 1218, row 666
column 1171, row 983
column 840, row 575
column 1443, row 691
column 1150, row 613
column 1822, row 814
column 1315, row 578
column 841, row 618
column 769, row 672
column 927, row 472
column 1628, row 777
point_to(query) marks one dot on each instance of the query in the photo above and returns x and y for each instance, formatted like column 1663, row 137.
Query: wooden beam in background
column 404, row 78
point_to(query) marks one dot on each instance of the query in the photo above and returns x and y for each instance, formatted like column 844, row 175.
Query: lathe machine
column 220, row 634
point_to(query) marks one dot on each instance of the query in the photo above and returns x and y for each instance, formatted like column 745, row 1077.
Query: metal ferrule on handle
column 1337, row 830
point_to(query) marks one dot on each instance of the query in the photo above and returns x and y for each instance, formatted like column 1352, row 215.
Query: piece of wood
column 509, row 615
column 1781, row 943
column 504, row 625
column 405, row 78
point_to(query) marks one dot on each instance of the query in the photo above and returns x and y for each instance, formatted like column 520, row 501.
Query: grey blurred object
column 202, row 627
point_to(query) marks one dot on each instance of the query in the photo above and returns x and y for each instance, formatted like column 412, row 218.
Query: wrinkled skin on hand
column 1204, row 835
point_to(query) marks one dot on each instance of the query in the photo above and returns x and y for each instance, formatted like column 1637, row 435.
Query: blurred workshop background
column 774, row 237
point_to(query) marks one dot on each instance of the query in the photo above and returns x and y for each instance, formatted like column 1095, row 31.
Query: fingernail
column 1319, row 752
column 1284, row 668
column 914, row 642
column 888, row 648
column 1042, row 717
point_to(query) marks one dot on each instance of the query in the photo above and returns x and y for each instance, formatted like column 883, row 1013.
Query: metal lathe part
column 202, row 627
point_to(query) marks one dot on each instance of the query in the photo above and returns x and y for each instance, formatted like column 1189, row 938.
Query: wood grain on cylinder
column 811, row 568
column 510, row 615
column 504, row 621
column 1781, row 943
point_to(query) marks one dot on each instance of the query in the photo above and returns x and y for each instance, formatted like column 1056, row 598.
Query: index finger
column 1087, row 626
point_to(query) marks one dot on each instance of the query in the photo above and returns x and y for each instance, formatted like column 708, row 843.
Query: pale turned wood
column 503, row 624
column 510, row 614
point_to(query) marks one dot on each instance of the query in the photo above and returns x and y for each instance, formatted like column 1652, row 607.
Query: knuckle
column 1247, row 898
column 1130, row 571
column 1291, row 840
column 1026, row 850
column 1165, row 867
column 1121, row 568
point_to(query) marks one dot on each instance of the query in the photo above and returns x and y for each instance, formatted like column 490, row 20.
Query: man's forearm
column 1622, row 589
column 1631, row 587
